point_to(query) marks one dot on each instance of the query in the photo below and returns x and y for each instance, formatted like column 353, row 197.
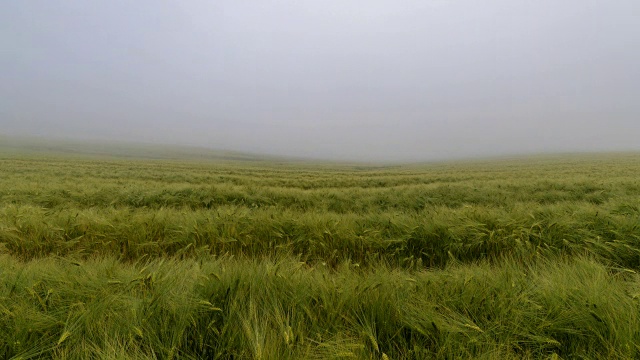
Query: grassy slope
column 116, row 258
column 44, row 147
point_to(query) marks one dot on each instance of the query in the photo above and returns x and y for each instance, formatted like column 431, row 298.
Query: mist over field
column 377, row 80
column 320, row 179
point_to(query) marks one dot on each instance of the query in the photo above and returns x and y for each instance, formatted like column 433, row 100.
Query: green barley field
column 230, row 257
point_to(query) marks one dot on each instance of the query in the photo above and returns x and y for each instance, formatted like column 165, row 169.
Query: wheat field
column 115, row 257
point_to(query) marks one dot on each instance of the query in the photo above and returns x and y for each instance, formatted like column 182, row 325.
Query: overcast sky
column 386, row 80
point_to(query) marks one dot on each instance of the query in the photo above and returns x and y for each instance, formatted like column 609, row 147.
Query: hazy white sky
column 371, row 80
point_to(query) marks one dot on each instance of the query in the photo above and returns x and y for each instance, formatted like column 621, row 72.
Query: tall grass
column 432, row 237
column 282, row 308
column 227, row 260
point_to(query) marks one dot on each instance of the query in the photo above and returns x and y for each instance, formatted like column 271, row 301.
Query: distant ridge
column 115, row 149
column 42, row 146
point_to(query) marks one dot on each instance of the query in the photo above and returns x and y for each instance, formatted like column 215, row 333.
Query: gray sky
column 387, row 80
